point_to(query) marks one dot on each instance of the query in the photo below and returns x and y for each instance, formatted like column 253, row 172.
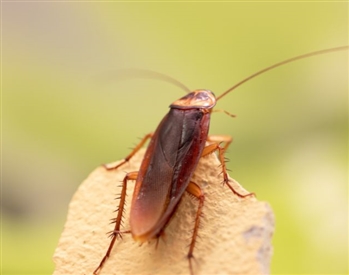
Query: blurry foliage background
column 63, row 113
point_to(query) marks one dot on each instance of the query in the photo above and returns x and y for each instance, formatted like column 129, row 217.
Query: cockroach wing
column 169, row 162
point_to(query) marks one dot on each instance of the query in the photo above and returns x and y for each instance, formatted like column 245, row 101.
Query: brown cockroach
column 173, row 153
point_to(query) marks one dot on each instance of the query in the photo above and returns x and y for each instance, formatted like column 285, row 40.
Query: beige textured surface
column 235, row 233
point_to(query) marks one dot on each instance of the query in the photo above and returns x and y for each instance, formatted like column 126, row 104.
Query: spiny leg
column 116, row 232
column 133, row 152
column 216, row 146
column 195, row 190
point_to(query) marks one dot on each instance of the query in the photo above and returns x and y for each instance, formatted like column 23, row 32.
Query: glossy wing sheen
column 168, row 164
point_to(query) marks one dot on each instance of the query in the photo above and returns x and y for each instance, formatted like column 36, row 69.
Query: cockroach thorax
column 197, row 99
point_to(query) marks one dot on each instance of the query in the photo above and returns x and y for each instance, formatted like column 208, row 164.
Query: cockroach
column 173, row 153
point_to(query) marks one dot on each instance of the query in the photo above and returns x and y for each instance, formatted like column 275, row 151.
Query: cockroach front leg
column 216, row 146
column 134, row 151
column 195, row 190
column 116, row 232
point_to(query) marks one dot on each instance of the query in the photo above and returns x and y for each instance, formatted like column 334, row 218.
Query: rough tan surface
column 235, row 233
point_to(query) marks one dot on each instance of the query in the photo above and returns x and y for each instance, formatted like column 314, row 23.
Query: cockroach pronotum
column 173, row 153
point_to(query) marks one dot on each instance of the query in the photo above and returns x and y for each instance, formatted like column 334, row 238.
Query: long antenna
column 280, row 64
column 144, row 73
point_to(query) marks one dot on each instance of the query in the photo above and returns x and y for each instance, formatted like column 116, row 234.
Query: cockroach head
column 199, row 99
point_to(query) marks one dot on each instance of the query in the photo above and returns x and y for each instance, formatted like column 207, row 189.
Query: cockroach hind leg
column 196, row 191
column 161, row 236
column 113, row 166
column 117, row 233
column 190, row 258
column 157, row 242
column 113, row 235
column 252, row 194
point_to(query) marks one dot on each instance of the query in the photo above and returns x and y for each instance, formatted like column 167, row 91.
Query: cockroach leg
column 216, row 146
column 220, row 139
column 195, row 190
column 116, row 232
column 134, row 151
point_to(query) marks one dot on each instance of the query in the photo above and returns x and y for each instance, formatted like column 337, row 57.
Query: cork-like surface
column 234, row 237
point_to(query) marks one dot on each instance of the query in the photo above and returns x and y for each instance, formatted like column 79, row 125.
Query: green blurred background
column 63, row 114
